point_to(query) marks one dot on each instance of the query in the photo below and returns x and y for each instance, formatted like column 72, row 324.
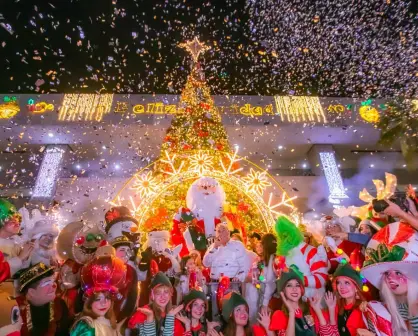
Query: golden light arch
column 146, row 189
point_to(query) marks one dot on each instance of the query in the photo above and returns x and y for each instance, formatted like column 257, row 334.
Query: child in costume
column 193, row 322
column 296, row 317
column 311, row 261
column 350, row 313
column 394, row 272
column 157, row 318
column 102, row 279
column 191, row 277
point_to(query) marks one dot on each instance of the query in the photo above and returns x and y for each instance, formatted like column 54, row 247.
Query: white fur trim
column 159, row 234
column 44, row 227
column 189, row 240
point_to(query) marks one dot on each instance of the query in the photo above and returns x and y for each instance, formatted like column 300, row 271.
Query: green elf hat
column 160, row 279
column 229, row 302
column 292, row 273
column 193, row 295
column 346, row 270
column 7, row 211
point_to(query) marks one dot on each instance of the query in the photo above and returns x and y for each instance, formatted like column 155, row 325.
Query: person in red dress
column 193, row 322
column 296, row 318
column 350, row 313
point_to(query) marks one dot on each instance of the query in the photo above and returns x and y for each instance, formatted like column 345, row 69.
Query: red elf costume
column 360, row 314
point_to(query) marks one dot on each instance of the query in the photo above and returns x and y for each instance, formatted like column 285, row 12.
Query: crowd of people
column 340, row 275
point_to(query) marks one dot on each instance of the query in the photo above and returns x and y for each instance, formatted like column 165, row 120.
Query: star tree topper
column 195, row 48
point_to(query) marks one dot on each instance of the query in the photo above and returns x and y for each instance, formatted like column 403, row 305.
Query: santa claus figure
column 157, row 254
column 44, row 235
column 205, row 198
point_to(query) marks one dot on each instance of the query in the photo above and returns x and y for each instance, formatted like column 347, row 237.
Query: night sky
column 327, row 48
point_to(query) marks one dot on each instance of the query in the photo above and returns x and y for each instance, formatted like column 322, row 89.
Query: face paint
column 397, row 282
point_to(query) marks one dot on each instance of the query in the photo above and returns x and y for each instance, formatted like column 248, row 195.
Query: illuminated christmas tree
column 197, row 126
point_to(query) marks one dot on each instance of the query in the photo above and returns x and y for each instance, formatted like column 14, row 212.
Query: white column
column 48, row 174
column 323, row 162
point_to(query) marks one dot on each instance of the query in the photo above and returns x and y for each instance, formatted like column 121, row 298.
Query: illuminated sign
column 85, row 107
column 161, row 108
column 10, row 108
column 369, row 113
column 40, row 107
column 300, row 109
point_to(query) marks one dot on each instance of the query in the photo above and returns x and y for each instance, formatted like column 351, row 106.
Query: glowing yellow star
column 201, row 162
column 145, row 184
column 256, row 181
column 194, row 47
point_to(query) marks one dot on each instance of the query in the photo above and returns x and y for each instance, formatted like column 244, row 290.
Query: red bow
column 112, row 215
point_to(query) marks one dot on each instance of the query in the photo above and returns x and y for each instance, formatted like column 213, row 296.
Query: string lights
column 85, row 107
column 300, row 109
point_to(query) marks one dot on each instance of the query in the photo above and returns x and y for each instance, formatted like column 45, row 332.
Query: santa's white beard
column 207, row 207
column 42, row 255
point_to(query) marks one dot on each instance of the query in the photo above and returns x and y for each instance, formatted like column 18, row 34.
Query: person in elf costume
column 311, row 261
column 157, row 252
column 350, row 314
column 15, row 255
column 236, row 318
column 43, row 313
column 193, row 321
column 102, row 279
column 296, row 317
column 157, row 317
column 124, row 250
column 392, row 267
column 10, row 320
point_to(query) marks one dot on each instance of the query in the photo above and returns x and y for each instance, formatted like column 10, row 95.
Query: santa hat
column 43, row 227
column 118, row 214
